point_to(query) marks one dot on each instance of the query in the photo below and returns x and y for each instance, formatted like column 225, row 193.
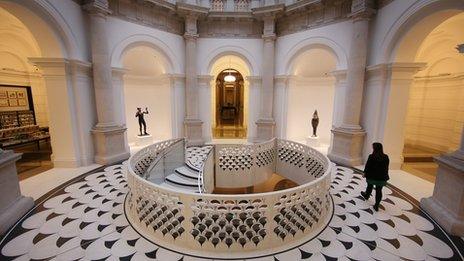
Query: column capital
column 97, row 7
column 118, row 71
column 191, row 36
column 205, row 79
column 282, row 78
column 51, row 66
column 253, row 79
column 362, row 9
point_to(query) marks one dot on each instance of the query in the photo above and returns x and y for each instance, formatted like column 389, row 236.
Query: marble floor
column 84, row 220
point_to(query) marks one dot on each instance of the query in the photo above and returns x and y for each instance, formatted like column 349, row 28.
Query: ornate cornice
column 362, row 9
column 166, row 16
column 97, row 7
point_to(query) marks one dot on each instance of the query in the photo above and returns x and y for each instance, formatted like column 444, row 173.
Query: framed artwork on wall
column 13, row 102
column 22, row 102
column 21, row 94
column 11, row 94
column 4, row 103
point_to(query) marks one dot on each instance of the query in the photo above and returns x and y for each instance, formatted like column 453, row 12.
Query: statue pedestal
column 144, row 140
column 13, row 205
column 313, row 141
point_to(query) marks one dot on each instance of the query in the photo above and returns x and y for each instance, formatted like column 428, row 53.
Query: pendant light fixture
column 229, row 77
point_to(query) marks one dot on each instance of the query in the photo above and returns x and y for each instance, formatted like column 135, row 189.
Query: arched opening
column 147, row 86
column 229, row 105
column 230, row 110
column 423, row 116
column 311, row 88
column 38, row 111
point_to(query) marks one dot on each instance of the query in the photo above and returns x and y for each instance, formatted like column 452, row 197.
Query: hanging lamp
column 229, row 77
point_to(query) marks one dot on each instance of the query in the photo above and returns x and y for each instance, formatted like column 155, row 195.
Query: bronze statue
column 139, row 114
column 314, row 123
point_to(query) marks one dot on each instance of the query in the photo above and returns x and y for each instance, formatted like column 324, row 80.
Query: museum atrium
column 182, row 130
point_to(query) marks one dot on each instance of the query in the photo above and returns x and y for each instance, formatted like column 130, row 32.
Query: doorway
column 229, row 105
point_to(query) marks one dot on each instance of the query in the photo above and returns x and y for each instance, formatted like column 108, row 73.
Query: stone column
column 266, row 123
column 109, row 136
column 193, row 125
column 13, row 205
column 348, row 138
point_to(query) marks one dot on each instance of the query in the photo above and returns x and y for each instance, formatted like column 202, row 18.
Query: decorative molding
column 310, row 15
column 253, row 79
column 163, row 17
column 231, row 27
column 169, row 17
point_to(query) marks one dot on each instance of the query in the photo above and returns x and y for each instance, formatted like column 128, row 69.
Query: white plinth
column 313, row 141
column 144, row 140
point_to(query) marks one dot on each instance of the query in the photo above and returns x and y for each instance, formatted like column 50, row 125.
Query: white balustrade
column 216, row 225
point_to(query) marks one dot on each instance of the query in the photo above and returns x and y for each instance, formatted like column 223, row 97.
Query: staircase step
column 182, row 181
column 179, row 188
column 187, row 172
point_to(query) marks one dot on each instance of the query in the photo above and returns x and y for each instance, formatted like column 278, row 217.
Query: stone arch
column 309, row 89
column 315, row 42
column 54, row 50
column 397, row 47
column 400, row 48
column 244, row 55
column 117, row 54
column 54, row 36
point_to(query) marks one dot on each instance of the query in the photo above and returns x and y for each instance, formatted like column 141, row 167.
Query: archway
column 45, row 105
column 229, row 109
column 147, row 85
column 311, row 87
column 237, row 93
column 424, row 92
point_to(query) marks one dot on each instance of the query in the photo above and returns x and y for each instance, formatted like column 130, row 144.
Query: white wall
column 151, row 92
column 124, row 35
column 434, row 119
column 304, row 96
column 335, row 37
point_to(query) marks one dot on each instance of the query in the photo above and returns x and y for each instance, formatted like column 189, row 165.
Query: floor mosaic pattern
column 84, row 220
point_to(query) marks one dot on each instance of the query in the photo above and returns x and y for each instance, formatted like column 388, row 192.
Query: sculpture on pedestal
column 314, row 123
column 139, row 114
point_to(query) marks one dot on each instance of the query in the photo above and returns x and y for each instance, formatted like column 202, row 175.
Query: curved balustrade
column 216, row 225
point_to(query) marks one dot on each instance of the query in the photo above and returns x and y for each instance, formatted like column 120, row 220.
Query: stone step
column 179, row 188
column 187, row 172
column 181, row 181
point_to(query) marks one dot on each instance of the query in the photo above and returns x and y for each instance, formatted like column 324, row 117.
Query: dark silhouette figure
column 139, row 114
column 314, row 123
column 376, row 173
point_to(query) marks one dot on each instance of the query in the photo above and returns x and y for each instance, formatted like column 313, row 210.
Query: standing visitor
column 376, row 173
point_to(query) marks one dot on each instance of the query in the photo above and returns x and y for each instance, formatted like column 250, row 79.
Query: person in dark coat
column 376, row 173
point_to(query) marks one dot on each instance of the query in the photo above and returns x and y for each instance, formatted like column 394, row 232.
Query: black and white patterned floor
column 84, row 219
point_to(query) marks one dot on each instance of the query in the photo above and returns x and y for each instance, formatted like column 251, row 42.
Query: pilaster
column 193, row 124
column 266, row 123
column 63, row 123
column 109, row 136
column 281, row 104
column 348, row 138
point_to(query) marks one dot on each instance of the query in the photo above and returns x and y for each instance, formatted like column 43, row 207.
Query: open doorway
column 423, row 110
column 229, row 106
column 24, row 117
